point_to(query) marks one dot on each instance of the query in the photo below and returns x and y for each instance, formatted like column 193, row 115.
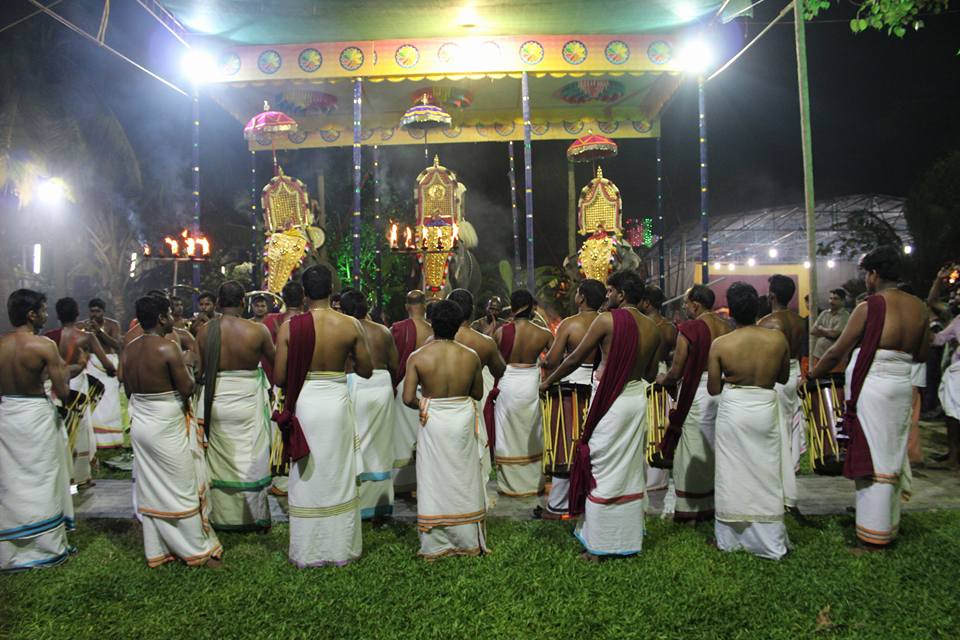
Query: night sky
column 883, row 110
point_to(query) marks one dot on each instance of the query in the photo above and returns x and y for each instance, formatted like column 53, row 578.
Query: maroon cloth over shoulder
column 299, row 355
column 508, row 333
column 405, row 337
column 620, row 360
column 54, row 334
column 272, row 322
column 858, row 463
column 697, row 334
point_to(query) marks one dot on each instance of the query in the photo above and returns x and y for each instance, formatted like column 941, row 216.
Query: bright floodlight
column 37, row 258
column 907, row 249
column 198, row 66
column 696, row 56
column 731, row 266
column 773, row 253
column 717, row 266
column 751, row 262
column 51, row 191
column 685, row 11
column 831, row 264
column 806, row 264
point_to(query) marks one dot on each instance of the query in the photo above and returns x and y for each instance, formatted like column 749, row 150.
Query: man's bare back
column 383, row 351
column 570, row 333
column 749, row 356
column 717, row 326
column 242, row 343
column 154, row 364
column 424, row 332
column 791, row 325
column 443, row 369
column 76, row 345
column 528, row 343
column 485, row 347
column 26, row 360
column 338, row 337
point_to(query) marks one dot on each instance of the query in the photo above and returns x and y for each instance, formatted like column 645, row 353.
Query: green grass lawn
column 532, row 585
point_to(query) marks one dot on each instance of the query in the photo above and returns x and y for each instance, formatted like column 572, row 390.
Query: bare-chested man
column 312, row 353
column 106, row 418
column 374, row 406
column 176, row 312
column 34, row 461
column 451, row 499
column 518, row 414
column 167, row 495
column 612, row 445
column 570, row 398
column 409, row 335
column 491, row 362
column 235, row 411
column 688, row 445
column 76, row 346
column 657, row 478
column 892, row 329
column 793, row 327
column 259, row 307
column 491, row 320
column 207, row 302
column 751, row 446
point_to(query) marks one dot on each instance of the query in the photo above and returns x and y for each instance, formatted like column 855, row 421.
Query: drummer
column 650, row 306
column 589, row 297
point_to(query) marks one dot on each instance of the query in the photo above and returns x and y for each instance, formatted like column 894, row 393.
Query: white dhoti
column 793, row 430
column 519, row 442
column 694, row 460
column 238, row 451
column 451, row 500
column 749, row 477
column 375, row 409
column 84, row 441
column 406, row 425
column 35, row 505
column 168, row 492
column 323, row 500
column 949, row 391
column 106, row 418
column 486, row 460
column 612, row 522
column 558, row 500
column 884, row 412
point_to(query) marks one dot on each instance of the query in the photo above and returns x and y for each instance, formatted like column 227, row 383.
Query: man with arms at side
column 608, row 475
column 650, row 306
column 106, row 418
column 570, row 398
column 451, row 500
column 828, row 327
column 745, row 365
column 36, row 509
column 793, row 328
column 320, row 432
column 518, row 415
column 168, row 493
column 689, row 440
column 375, row 409
column 491, row 321
column 408, row 335
column 76, row 345
column 892, row 329
column 236, row 414
column 491, row 362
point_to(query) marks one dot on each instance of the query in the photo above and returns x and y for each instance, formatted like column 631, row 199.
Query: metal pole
column 528, row 177
column 378, row 257
column 516, row 218
column 176, row 264
column 255, row 257
column 357, row 114
column 807, row 147
column 661, row 258
column 195, row 158
column 704, row 219
column 571, row 210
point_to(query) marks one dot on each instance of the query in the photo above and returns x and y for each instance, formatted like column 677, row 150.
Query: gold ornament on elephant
column 439, row 205
column 599, row 216
column 288, row 223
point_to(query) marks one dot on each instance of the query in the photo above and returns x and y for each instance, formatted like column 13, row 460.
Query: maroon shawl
column 620, row 361
column 508, row 334
column 405, row 337
column 858, row 463
column 697, row 334
column 299, row 355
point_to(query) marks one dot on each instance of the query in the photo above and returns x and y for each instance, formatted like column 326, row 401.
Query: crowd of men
column 342, row 415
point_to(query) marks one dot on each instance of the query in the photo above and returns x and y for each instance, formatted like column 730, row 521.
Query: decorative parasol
column 424, row 117
column 269, row 124
column 591, row 147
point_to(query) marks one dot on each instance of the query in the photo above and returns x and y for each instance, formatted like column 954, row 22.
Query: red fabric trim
column 623, row 354
column 508, row 335
column 54, row 334
column 629, row 497
column 697, row 333
column 858, row 463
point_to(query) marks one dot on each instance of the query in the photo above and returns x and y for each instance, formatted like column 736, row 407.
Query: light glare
column 197, row 66
column 831, row 264
column 696, row 56
column 37, row 258
column 907, row 249
column 751, row 262
column 51, row 191
column 773, row 253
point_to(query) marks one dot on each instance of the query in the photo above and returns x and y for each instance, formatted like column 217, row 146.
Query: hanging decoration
column 422, row 118
column 591, row 147
column 455, row 97
column 306, row 103
column 267, row 125
column 590, row 90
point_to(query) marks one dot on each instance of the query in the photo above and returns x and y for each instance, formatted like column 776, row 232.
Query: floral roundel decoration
column 407, row 56
column 531, row 52
column 574, row 52
column 660, row 52
column 351, row 58
column 310, row 60
column 617, row 52
column 269, row 61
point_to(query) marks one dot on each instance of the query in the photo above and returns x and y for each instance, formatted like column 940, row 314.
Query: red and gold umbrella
column 268, row 124
column 591, row 147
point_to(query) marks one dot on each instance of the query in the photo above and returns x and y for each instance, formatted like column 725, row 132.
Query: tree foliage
column 858, row 232
column 893, row 16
